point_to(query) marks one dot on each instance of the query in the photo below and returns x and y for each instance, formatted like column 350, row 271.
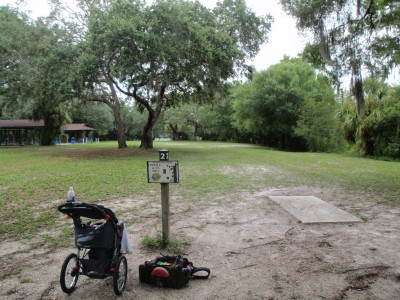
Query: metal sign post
column 165, row 210
column 165, row 172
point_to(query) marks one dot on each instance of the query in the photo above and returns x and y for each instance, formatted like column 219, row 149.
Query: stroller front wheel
column 69, row 273
column 120, row 275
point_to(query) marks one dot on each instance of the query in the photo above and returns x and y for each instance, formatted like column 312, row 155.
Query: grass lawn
column 35, row 180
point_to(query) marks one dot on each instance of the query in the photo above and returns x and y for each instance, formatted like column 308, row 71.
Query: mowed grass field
column 35, row 180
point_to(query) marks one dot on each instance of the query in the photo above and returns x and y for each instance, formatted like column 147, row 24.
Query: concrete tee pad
column 311, row 210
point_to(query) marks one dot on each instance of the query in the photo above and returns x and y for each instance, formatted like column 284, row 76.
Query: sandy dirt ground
column 254, row 248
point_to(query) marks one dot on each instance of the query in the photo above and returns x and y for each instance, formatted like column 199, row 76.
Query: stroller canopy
column 91, row 211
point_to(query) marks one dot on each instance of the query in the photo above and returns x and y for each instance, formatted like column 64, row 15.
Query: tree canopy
column 161, row 54
column 268, row 108
column 113, row 52
column 355, row 37
column 38, row 73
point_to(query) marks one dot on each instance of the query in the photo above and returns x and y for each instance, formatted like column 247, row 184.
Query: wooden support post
column 165, row 210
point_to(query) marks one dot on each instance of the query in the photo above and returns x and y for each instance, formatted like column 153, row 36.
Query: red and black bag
column 170, row 271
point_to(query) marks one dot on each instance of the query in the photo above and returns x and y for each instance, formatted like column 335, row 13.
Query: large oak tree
column 159, row 54
column 37, row 70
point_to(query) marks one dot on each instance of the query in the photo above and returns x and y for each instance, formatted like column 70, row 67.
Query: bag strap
column 195, row 270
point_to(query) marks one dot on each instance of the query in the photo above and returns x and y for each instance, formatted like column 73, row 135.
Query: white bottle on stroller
column 71, row 195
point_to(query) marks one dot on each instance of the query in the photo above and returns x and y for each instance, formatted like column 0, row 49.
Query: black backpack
column 170, row 271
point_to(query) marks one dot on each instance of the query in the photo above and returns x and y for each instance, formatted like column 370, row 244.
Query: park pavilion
column 27, row 132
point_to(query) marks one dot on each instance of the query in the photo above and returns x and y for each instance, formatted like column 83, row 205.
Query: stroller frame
column 99, row 247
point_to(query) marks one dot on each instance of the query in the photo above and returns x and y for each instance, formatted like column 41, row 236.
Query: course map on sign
column 163, row 171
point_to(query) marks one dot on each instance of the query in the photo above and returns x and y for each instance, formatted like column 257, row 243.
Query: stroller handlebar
column 82, row 209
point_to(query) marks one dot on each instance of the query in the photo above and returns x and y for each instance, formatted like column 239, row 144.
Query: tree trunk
column 368, row 144
column 119, row 125
column 47, row 136
column 359, row 96
column 357, row 88
column 116, row 107
column 147, row 136
column 50, row 130
column 175, row 133
column 196, row 128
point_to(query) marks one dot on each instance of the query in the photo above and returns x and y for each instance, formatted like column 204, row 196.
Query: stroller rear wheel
column 120, row 275
column 69, row 273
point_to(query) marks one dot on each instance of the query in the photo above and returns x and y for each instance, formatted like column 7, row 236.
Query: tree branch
column 133, row 94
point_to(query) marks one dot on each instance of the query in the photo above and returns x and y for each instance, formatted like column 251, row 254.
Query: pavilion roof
column 21, row 123
column 77, row 127
column 35, row 124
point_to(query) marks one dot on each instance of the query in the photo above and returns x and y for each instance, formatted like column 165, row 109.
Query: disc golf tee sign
column 166, row 171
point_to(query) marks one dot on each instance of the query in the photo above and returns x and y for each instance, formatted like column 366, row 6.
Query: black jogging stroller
column 99, row 246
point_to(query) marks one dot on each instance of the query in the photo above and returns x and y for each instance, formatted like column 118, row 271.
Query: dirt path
column 254, row 248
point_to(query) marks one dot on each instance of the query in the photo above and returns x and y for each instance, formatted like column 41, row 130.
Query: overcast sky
column 283, row 38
